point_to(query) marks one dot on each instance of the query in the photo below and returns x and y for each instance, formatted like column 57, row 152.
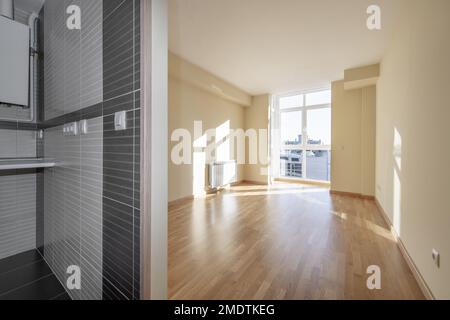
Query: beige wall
column 257, row 118
column 188, row 73
column 413, row 154
column 189, row 102
column 361, row 77
column 193, row 96
column 368, row 140
column 353, row 139
column 362, row 73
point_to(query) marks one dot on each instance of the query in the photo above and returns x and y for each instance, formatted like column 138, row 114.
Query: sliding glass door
column 305, row 135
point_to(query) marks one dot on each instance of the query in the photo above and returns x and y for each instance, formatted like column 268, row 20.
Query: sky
column 318, row 121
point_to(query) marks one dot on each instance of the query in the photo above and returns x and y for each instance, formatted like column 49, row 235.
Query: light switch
column 73, row 128
column 83, row 124
column 120, row 120
column 436, row 257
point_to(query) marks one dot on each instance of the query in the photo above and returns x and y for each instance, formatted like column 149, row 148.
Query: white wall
column 187, row 72
column 368, row 140
column 353, row 139
column 257, row 118
column 155, row 21
column 186, row 105
column 189, row 101
column 413, row 154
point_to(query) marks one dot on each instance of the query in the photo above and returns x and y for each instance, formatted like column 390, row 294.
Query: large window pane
column 291, row 163
column 316, row 98
column 319, row 127
column 318, row 164
column 306, row 136
column 291, row 102
column 291, row 128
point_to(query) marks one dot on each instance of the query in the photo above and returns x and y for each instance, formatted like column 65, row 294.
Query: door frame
column 154, row 149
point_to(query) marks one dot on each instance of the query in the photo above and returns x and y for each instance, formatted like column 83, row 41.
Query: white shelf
column 16, row 164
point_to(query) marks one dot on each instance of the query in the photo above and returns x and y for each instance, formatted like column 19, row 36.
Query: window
column 305, row 123
column 319, row 126
column 291, row 101
column 291, row 163
column 318, row 164
column 291, row 133
column 318, row 98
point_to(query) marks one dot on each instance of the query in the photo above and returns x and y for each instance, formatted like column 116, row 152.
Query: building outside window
column 305, row 128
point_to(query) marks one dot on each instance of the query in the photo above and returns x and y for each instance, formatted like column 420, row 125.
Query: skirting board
column 181, row 201
column 256, row 183
column 304, row 182
column 207, row 195
column 412, row 266
column 351, row 194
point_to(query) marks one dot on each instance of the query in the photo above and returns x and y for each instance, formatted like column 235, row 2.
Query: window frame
column 304, row 146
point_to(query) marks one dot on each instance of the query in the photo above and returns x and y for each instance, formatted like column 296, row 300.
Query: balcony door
column 305, row 135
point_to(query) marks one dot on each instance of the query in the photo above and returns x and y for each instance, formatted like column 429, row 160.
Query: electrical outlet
column 436, row 257
column 70, row 129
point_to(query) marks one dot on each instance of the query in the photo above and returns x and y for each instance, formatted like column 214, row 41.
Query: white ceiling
column 277, row 46
column 29, row 5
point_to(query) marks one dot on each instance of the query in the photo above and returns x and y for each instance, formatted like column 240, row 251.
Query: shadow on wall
column 204, row 153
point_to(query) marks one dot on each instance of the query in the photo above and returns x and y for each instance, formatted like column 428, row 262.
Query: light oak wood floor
column 283, row 242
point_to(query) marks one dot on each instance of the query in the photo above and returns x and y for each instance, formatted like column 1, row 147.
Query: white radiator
column 222, row 174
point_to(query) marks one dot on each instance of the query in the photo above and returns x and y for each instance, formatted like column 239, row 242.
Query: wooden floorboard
column 283, row 242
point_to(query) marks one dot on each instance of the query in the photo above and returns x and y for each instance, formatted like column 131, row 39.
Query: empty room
column 297, row 159
column 230, row 157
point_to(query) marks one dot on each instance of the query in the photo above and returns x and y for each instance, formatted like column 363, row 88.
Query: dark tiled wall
column 73, row 206
column 40, row 210
column 40, row 189
column 121, row 221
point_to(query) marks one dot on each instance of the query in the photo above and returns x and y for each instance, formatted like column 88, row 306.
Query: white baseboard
column 412, row 266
